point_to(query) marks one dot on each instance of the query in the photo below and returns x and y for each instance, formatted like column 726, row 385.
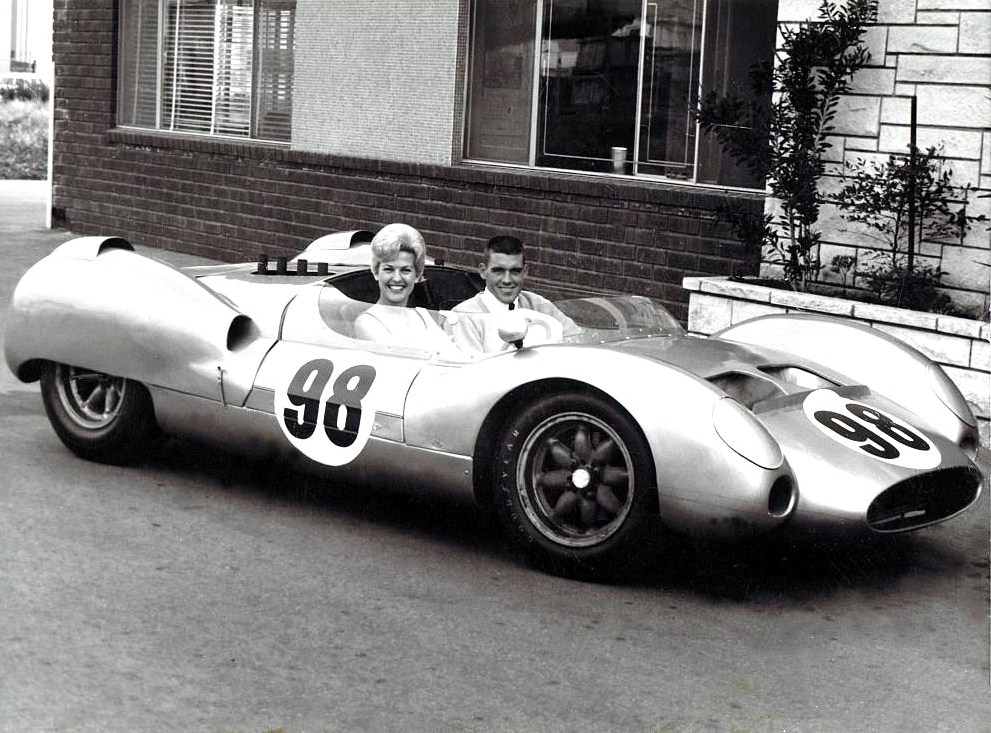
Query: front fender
column 95, row 303
column 887, row 366
column 704, row 486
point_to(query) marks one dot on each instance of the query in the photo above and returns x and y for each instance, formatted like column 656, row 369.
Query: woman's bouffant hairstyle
column 395, row 238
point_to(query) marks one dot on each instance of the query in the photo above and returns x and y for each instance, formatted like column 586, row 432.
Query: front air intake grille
column 925, row 499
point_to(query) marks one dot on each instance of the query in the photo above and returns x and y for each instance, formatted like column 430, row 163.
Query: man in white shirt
column 503, row 270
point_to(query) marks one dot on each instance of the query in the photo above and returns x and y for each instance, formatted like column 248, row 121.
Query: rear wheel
column 98, row 416
column 574, row 485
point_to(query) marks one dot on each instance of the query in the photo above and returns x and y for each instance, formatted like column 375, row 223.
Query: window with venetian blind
column 214, row 67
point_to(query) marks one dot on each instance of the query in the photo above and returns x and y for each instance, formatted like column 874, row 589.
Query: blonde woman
column 398, row 257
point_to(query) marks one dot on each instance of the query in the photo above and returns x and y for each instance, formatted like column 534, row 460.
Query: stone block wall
column 940, row 52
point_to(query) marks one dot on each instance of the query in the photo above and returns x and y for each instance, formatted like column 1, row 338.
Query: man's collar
column 493, row 304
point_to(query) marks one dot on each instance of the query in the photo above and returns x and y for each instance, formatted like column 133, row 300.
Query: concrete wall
column 376, row 80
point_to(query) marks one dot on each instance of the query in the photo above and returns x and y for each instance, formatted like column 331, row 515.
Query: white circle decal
column 870, row 430
column 327, row 415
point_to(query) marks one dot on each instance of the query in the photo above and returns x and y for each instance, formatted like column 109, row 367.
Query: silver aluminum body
column 217, row 345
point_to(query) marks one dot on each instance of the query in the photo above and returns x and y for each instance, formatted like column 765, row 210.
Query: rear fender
column 95, row 303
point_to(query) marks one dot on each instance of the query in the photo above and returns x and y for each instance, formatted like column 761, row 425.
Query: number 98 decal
column 325, row 413
column 870, row 430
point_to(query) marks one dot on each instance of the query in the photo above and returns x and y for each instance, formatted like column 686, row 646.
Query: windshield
column 463, row 335
column 616, row 318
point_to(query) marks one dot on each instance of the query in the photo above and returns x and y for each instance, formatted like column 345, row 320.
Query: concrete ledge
column 959, row 344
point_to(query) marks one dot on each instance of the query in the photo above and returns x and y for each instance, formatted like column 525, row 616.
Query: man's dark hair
column 504, row 245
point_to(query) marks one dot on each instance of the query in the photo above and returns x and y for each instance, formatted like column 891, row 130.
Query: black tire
column 98, row 416
column 574, row 486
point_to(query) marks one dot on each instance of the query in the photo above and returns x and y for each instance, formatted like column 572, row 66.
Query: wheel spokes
column 561, row 455
column 565, row 504
column 554, row 479
column 582, row 444
column 607, row 500
column 614, row 475
column 96, row 401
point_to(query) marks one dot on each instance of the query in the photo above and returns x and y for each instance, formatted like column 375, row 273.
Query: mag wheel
column 574, row 485
column 98, row 416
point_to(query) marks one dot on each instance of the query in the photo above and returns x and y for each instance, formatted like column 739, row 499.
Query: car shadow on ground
column 781, row 569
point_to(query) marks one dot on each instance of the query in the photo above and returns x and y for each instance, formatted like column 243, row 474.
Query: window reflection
column 611, row 74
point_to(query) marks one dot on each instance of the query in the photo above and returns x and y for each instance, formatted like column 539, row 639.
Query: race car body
column 578, row 441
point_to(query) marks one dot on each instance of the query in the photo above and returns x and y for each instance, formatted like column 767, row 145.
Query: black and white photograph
column 496, row 366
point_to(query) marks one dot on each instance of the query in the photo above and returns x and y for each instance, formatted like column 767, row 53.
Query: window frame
column 708, row 56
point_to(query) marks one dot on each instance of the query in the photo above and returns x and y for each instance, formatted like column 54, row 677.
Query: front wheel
column 98, row 416
column 574, row 484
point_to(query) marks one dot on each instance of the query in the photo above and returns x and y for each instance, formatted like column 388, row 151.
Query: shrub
column 24, row 89
column 781, row 127
column 23, row 139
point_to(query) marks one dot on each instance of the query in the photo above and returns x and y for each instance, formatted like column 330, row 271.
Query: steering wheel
column 541, row 328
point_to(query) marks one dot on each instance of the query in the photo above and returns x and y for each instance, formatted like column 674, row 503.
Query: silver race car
column 580, row 441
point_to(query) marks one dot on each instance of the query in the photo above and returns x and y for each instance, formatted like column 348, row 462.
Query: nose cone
column 846, row 488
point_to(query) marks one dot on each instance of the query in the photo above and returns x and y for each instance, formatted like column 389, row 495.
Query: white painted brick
column 980, row 355
column 954, row 4
column 894, row 138
column 898, row 316
column 733, row 289
column 971, row 106
column 813, row 303
column 956, row 142
column 966, row 267
column 937, row 17
column 972, row 301
column 922, row 39
column 796, row 11
column 959, row 327
column 939, row 347
column 861, row 144
column 876, row 40
column 873, row 81
column 944, row 69
column 896, row 11
column 975, row 33
column 708, row 314
column 743, row 311
column 964, row 172
column 692, row 283
column 857, row 115
column 895, row 110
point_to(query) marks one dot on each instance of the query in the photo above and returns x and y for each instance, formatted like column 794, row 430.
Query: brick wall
column 232, row 200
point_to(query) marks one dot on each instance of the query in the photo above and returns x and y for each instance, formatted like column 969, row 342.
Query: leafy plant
column 25, row 89
column 903, row 201
column 23, row 139
column 841, row 265
column 780, row 129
